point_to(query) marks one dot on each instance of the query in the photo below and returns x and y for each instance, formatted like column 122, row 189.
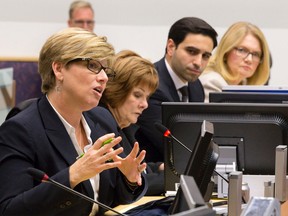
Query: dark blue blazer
column 37, row 138
column 148, row 136
column 154, row 177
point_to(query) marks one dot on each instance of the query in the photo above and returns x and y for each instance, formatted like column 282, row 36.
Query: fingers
column 141, row 167
column 99, row 157
column 141, row 156
column 111, row 155
column 110, row 165
column 139, row 180
column 135, row 150
column 108, row 141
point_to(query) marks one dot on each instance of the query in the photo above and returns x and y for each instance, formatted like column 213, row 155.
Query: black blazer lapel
column 56, row 131
column 166, row 83
column 196, row 91
column 60, row 139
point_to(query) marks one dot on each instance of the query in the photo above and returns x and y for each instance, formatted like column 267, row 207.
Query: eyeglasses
column 244, row 53
column 81, row 23
column 95, row 67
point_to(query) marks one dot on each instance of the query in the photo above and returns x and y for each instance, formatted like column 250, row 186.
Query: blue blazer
column 37, row 138
column 148, row 136
column 154, row 177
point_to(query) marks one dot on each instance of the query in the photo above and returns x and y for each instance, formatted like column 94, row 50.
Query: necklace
column 82, row 139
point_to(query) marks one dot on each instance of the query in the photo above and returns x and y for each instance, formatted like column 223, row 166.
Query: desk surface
column 284, row 208
column 143, row 200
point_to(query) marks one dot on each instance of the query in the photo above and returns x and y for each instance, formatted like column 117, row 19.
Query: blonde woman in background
column 242, row 58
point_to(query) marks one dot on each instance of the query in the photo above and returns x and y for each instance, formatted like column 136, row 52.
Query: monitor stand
column 280, row 173
column 235, row 193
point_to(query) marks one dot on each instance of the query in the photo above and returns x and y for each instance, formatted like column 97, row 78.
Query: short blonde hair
column 67, row 45
column 233, row 36
column 131, row 70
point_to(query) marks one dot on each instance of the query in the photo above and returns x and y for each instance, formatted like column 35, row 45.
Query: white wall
column 128, row 24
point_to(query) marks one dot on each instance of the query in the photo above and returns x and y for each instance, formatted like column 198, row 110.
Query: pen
column 107, row 141
column 104, row 143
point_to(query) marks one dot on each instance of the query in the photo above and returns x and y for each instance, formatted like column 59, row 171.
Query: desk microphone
column 167, row 133
column 43, row 177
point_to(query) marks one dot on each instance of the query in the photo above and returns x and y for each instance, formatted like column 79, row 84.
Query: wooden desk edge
column 124, row 208
column 284, row 208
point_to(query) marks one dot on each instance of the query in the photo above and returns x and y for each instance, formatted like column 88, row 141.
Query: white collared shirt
column 177, row 81
column 71, row 132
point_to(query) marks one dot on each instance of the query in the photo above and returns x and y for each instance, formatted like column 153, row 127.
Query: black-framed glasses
column 81, row 23
column 95, row 66
column 244, row 53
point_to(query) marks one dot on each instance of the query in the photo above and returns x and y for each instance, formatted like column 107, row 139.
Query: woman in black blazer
column 126, row 97
column 55, row 130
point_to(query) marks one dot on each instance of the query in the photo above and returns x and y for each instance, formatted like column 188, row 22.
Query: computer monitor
column 251, row 130
column 188, row 200
column 248, row 97
column 200, row 162
column 255, row 88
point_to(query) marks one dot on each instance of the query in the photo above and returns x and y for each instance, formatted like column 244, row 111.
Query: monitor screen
column 251, row 130
column 248, row 97
column 203, row 159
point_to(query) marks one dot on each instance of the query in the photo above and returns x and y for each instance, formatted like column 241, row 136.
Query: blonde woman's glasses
column 95, row 66
column 244, row 53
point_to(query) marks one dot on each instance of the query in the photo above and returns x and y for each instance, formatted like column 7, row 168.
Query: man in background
column 189, row 46
column 81, row 14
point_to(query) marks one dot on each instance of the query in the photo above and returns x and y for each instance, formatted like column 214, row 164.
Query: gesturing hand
column 131, row 165
column 94, row 160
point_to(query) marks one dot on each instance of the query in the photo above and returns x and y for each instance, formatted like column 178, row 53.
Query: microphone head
column 165, row 131
column 37, row 174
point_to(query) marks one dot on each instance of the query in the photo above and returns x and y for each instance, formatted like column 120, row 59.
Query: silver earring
column 58, row 88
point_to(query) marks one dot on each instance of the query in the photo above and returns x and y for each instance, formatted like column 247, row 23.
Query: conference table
column 145, row 199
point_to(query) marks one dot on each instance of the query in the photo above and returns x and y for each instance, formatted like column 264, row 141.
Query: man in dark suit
column 188, row 49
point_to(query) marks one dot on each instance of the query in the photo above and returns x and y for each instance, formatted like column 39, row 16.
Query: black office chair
column 19, row 107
